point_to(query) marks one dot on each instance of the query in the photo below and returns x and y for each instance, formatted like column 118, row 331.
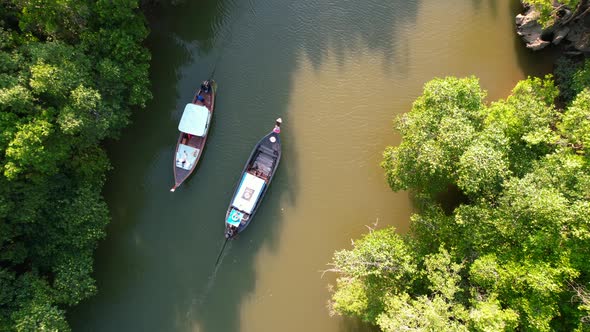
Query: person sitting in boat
column 186, row 138
column 205, row 86
column 184, row 158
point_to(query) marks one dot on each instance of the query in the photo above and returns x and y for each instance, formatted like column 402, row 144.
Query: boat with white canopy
column 194, row 127
column 254, row 181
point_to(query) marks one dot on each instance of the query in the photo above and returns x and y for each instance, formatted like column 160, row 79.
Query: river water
column 337, row 72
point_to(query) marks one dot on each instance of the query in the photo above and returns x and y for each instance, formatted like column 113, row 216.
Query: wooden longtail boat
column 194, row 127
column 254, row 181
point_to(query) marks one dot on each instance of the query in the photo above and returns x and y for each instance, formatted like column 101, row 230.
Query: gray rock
column 574, row 34
column 583, row 43
column 560, row 35
column 579, row 37
column 530, row 30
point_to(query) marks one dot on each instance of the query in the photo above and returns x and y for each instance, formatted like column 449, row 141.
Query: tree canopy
column 71, row 72
column 512, row 254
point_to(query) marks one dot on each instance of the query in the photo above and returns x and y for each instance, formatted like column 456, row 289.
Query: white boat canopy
column 195, row 120
column 248, row 193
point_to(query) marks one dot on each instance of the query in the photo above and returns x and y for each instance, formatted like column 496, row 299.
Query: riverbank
column 71, row 74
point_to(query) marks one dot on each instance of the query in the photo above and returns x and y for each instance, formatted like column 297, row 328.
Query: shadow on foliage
column 450, row 199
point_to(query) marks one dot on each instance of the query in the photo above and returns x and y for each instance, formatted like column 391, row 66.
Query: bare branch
column 578, row 12
column 330, row 270
column 582, row 295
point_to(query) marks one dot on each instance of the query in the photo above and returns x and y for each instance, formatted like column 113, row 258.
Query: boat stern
column 229, row 233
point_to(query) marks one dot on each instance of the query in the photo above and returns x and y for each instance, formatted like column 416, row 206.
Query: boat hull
column 196, row 142
column 262, row 164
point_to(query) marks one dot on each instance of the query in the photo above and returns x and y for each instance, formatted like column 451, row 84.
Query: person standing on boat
column 277, row 128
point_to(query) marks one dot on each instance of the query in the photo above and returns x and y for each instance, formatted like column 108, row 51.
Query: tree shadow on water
column 493, row 4
column 123, row 257
column 349, row 28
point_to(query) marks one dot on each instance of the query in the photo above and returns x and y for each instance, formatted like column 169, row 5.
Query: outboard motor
column 230, row 232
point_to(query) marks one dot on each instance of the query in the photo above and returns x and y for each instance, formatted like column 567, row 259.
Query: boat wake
column 200, row 300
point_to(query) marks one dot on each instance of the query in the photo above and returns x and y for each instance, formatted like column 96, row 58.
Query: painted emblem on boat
column 236, row 216
column 247, row 195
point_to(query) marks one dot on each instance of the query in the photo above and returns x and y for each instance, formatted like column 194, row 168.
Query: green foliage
column 443, row 274
column 382, row 255
column 437, row 311
column 422, row 314
column 40, row 317
column 576, row 123
column 487, row 315
column 379, row 264
column 484, row 166
column 437, row 130
column 572, row 77
column 30, row 150
column 511, row 256
column 32, row 308
column 63, row 19
column 531, row 288
column 528, row 114
column 547, row 9
column 70, row 73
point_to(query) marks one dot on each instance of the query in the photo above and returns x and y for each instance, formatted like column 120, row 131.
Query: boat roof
column 195, row 119
column 248, row 193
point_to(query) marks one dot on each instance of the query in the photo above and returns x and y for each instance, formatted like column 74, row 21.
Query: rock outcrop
column 570, row 28
column 530, row 30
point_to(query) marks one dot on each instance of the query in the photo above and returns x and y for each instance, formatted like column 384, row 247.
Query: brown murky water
column 337, row 72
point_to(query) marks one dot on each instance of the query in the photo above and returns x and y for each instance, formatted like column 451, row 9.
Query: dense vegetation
column 71, row 71
column 559, row 12
column 512, row 252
